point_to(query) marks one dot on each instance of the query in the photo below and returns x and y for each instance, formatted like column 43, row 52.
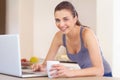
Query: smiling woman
column 44, row 29
column 81, row 46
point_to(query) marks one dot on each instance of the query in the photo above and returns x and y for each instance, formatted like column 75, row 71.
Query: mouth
column 63, row 29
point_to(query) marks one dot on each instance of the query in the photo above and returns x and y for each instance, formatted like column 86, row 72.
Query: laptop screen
column 10, row 55
column 10, row 58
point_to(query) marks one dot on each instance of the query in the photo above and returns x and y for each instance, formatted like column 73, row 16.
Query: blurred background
column 33, row 20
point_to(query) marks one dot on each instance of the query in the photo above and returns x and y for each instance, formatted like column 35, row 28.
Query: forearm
column 47, row 58
column 93, row 71
column 56, row 43
column 50, row 56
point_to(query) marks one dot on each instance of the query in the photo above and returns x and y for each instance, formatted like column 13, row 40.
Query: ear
column 75, row 19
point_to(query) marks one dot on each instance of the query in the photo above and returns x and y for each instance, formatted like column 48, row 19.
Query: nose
column 61, row 23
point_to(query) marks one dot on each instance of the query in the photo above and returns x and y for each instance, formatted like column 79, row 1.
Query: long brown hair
column 67, row 5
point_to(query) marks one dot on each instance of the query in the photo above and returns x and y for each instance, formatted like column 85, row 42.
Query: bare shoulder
column 88, row 35
column 58, row 37
column 87, row 32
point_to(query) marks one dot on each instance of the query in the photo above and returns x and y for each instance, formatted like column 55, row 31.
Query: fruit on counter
column 24, row 60
column 34, row 59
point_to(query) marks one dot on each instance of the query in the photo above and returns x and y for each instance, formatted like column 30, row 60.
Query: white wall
column 26, row 14
column 87, row 12
column 19, row 14
column 116, row 48
column 44, row 27
column 12, row 12
column 108, row 26
column 105, row 27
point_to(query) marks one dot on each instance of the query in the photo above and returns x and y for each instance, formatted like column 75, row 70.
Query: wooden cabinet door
column 2, row 16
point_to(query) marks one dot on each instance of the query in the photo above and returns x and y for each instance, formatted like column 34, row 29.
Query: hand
column 62, row 71
column 38, row 67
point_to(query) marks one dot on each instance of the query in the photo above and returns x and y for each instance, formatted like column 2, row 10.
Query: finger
column 59, row 72
column 35, row 67
column 58, row 75
column 32, row 66
column 53, row 68
column 56, row 65
column 42, row 69
column 52, row 73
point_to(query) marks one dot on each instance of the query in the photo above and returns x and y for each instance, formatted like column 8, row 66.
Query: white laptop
column 10, row 59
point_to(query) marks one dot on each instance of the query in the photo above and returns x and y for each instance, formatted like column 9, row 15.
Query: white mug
column 49, row 65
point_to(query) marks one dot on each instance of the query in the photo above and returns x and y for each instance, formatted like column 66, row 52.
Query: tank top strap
column 81, row 30
column 64, row 40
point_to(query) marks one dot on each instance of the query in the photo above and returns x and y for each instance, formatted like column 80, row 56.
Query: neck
column 74, row 33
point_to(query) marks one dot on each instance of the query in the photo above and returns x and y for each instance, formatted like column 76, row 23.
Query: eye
column 57, row 20
column 65, row 19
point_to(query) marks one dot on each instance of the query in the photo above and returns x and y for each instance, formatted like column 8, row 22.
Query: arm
column 97, row 69
column 91, row 43
column 56, row 43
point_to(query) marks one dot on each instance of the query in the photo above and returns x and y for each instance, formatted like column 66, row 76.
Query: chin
column 65, row 32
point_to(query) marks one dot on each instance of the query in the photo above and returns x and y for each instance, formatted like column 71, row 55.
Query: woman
column 81, row 45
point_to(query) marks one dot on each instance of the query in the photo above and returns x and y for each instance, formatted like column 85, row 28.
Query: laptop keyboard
column 29, row 71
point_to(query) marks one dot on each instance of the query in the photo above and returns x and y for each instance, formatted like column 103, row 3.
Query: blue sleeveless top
column 82, row 57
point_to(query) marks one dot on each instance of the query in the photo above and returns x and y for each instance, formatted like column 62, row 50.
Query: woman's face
column 65, row 20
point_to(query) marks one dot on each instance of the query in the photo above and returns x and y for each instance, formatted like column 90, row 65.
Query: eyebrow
column 63, row 17
column 57, row 19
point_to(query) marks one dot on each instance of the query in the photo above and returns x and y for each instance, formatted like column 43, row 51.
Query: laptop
column 10, row 59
